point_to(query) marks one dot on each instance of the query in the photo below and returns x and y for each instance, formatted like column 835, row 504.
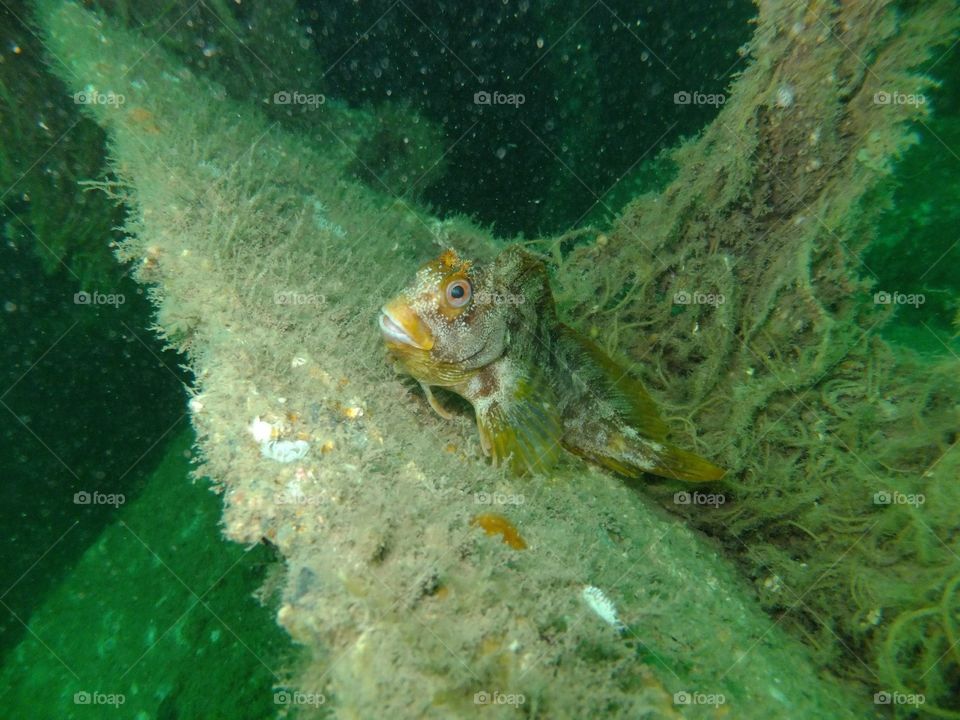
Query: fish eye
column 458, row 293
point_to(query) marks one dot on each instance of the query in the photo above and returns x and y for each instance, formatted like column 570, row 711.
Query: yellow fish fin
column 677, row 464
column 608, row 462
column 623, row 391
column 631, row 455
column 523, row 427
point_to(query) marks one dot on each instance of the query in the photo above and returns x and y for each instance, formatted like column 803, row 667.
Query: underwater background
column 753, row 206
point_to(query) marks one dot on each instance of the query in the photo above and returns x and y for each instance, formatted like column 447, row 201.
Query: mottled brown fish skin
column 491, row 334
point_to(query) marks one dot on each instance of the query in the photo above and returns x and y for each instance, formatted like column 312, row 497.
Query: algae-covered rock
column 267, row 261
column 749, row 296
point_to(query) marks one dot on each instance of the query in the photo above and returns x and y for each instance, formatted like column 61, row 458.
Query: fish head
column 438, row 327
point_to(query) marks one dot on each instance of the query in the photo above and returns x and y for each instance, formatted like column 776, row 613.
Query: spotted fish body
column 491, row 335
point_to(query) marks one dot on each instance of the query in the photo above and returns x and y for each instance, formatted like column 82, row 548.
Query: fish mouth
column 399, row 324
column 392, row 329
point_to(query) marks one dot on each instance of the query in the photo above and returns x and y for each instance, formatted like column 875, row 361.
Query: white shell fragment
column 603, row 607
column 285, row 450
column 261, row 430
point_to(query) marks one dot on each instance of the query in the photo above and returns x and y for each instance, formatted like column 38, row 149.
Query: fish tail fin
column 672, row 462
column 631, row 454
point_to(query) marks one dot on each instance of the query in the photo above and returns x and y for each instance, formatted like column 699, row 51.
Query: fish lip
column 394, row 331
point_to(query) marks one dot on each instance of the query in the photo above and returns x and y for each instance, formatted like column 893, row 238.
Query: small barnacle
column 494, row 524
column 298, row 362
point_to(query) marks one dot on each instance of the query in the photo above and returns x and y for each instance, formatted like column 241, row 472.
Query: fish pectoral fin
column 523, row 429
column 435, row 404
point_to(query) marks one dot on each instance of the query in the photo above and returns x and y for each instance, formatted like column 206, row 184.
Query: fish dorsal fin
column 622, row 390
column 520, row 422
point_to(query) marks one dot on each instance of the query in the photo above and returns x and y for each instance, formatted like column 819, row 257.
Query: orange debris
column 494, row 524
